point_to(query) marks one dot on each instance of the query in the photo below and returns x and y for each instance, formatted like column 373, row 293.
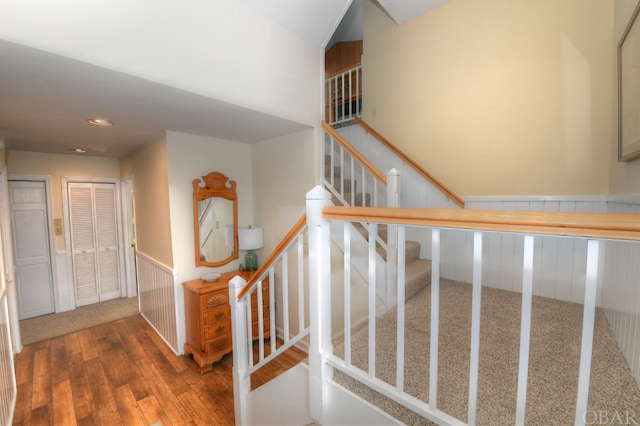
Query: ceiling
column 45, row 99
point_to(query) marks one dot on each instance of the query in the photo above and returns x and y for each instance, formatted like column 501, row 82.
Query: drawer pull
column 219, row 314
column 220, row 345
column 220, row 329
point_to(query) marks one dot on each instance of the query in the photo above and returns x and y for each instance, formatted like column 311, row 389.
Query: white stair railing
column 251, row 353
column 354, row 181
column 323, row 362
column 348, row 175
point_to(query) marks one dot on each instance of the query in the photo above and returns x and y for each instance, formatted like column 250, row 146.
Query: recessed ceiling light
column 99, row 122
column 79, row 150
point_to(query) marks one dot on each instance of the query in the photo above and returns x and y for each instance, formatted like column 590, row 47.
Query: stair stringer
column 285, row 401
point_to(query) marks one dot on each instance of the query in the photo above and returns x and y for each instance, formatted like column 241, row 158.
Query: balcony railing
column 343, row 95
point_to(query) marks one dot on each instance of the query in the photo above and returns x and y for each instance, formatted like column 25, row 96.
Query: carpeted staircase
column 418, row 271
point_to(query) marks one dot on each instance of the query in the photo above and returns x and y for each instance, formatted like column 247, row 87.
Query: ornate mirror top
column 215, row 214
column 215, row 185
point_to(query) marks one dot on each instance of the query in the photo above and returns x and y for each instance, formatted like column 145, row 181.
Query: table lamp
column 250, row 239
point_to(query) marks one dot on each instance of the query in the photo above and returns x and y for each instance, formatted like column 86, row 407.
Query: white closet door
column 34, row 277
column 107, row 240
column 92, row 211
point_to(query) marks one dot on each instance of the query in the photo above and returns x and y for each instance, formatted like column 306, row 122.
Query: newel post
column 319, row 300
column 241, row 380
column 393, row 201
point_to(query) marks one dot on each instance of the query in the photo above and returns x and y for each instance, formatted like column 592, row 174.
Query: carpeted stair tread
column 417, row 277
column 411, row 251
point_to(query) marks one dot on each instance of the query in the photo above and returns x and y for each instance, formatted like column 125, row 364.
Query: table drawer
column 217, row 330
column 220, row 345
column 220, row 313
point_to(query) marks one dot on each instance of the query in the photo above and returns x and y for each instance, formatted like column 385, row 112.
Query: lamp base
column 251, row 261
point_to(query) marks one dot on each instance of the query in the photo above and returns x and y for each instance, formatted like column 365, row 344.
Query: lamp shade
column 250, row 238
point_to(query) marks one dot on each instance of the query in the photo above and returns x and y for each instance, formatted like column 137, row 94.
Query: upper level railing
column 596, row 229
column 343, row 95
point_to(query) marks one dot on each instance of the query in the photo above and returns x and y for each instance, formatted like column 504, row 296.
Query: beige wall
column 148, row 168
column 625, row 176
column 57, row 166
column 283, row 172
column 497, row 97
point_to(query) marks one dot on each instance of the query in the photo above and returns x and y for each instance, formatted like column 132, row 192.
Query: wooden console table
column 208, row 318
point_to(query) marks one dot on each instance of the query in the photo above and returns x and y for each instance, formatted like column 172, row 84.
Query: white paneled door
column 94, row 241
column 34, row 278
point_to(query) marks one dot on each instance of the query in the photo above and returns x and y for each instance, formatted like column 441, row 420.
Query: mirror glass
column 215, row 214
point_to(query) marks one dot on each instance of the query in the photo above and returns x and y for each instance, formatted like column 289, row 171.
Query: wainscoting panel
column 559, row 263
column 156, row 285
column 7, row 375
column 621, row 292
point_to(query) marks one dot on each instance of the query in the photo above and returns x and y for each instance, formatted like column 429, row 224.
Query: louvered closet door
column 94, row 242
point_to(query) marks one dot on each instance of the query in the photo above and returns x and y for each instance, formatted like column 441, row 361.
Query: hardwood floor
column 122, row 373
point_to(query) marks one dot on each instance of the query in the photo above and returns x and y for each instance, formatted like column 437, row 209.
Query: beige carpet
column 53, row 325
column 553, row 364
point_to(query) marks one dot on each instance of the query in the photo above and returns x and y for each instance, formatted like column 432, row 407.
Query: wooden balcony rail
column 590, row 225
column 411, row 162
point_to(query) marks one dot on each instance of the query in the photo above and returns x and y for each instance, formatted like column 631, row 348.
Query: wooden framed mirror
column 215, row 219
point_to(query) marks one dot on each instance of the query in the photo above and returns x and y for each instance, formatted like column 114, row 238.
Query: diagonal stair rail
column 242, row 294
column 419, row 188
column 408, row 160
column 346, row 169
column 354, row 181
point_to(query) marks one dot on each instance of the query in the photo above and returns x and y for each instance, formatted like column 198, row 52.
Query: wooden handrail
column 594, row 225
column 409, row 161
column 293, row 233
column 361, row 158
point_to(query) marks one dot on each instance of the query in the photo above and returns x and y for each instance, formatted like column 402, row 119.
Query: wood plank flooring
column 122, row 373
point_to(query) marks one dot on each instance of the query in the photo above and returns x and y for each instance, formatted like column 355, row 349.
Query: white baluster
column 320, row 300
column 241, row 380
